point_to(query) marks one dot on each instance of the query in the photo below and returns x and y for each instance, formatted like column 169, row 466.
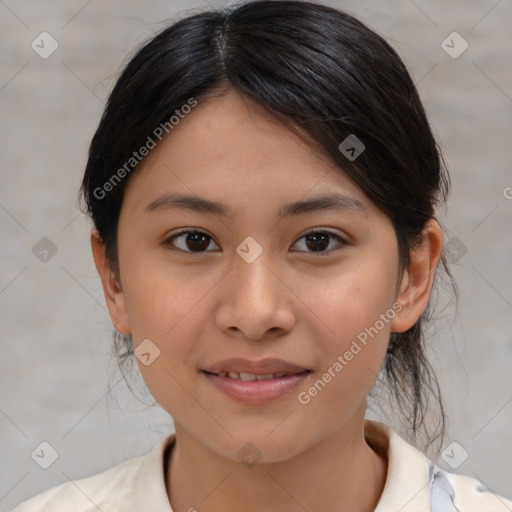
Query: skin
column 291, row 302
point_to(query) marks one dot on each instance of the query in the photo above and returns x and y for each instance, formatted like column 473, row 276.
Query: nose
column 256, row 302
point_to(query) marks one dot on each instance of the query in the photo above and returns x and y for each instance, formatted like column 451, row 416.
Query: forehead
column 231, row 149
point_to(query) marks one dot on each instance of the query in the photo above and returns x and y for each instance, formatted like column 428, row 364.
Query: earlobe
column 418, row 277
column 114, row 294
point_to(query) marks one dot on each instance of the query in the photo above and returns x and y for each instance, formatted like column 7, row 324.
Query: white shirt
column 413, row 484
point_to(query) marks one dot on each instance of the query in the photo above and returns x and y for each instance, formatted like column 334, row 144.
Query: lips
column 255, row 382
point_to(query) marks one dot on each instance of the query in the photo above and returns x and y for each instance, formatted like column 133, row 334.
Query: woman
column 263, row 186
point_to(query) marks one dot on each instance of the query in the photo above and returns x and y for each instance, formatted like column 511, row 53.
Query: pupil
column 199, row 240
column 320, row 240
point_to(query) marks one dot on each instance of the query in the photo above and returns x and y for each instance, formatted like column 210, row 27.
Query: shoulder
column 92, row 493
column 415, row 484
column 467, row 494
column 117, row 489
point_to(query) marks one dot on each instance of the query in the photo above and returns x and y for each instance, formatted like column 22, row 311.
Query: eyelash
column 341, row 241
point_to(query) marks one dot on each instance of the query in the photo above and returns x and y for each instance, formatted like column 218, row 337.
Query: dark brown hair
column 325, row 75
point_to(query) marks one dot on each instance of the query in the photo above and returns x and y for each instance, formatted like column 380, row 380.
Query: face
column 313, row 287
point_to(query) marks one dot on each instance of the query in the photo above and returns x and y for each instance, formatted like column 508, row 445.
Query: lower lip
column 256, row 391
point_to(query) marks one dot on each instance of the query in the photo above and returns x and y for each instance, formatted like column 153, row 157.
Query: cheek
column 355, row 310
column 351, row 359
column 350, row 299
column 168, row 306
column 162, row 299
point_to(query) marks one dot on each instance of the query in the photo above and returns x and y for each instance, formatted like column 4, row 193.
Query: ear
column 418, row 278
column 114, row 294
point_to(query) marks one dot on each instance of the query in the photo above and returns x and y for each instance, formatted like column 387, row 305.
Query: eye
column 319, row 240
column 190, row 240
column 195, row 241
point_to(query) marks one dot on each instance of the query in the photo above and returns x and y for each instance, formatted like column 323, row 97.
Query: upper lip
column 262, row 367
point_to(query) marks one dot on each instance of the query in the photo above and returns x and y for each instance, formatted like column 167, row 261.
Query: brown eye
column 319, row 241
column 190, row 241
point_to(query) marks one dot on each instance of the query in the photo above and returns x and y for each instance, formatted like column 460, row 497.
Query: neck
column 339, row 473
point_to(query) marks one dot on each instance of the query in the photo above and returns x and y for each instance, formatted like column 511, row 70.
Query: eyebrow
column 202, row 205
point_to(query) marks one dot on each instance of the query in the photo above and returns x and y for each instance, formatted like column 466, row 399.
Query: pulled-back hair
column 323, row 74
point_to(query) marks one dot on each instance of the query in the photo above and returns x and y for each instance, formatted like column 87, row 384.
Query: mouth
column 256, row 388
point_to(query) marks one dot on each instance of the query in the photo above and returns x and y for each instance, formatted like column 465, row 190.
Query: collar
column 149, row 489
column 408, row 482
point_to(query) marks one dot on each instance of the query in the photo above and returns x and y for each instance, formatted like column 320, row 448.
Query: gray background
column 56, row 361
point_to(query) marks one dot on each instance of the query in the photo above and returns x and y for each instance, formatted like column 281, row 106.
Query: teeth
column 265, row 377
column 247, row 377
